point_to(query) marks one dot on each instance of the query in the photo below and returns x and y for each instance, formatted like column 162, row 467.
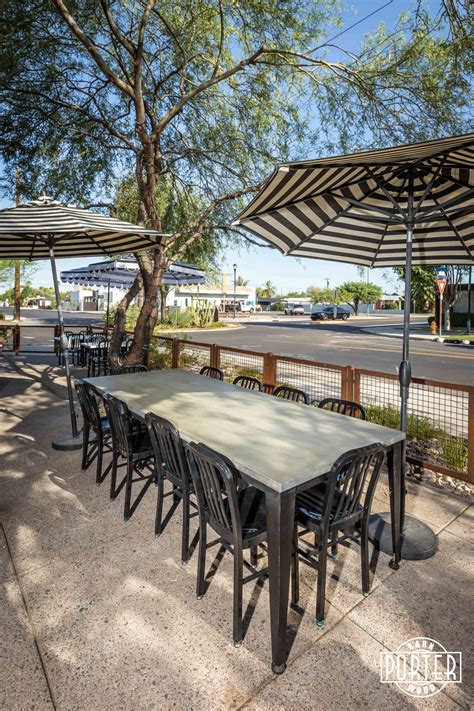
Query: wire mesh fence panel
column 160, row 354
column 316, row 380
column 437, row 424
column 237, row 362
column 6, row 337
column 193, row 356
column 39, row 339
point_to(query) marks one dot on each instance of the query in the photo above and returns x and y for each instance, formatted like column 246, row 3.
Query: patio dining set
column 90, row 350
column 301, row 486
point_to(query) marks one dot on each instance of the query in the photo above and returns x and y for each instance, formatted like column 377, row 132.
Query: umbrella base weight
column 418, row 540
column 67, row 442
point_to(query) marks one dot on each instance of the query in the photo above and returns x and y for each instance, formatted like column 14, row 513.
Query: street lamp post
column 235, row 289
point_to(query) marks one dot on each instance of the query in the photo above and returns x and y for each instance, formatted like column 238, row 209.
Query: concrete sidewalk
column 96, row 613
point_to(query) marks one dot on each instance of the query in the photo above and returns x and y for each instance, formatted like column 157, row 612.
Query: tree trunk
column 115, row 357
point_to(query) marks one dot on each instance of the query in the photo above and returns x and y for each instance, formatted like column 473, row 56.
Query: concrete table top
column 278, row 443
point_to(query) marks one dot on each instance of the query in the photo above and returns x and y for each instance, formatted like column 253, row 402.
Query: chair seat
column 251, row 503
column 309, row 507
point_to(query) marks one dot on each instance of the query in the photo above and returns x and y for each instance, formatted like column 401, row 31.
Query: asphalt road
column 346, row 344
column 339, row 343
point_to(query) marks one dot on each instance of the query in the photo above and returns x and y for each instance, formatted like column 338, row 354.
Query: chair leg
column 321, row 585
column 364, row 552
column 238, row 585
column 85, row 446
column 201, row 571
column 185, row 533
column 333, row 553
column 254, row 556
column 100, row 456
column 159, row 505
column 128, row 490
column 113, row 478
column 295, row 571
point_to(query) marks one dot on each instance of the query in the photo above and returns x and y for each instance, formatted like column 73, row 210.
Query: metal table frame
column 280, row 508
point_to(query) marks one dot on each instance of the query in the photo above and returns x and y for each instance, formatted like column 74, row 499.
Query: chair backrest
column 289, row 393
column 128, row 345
column 246, row 381
column 169, row 451
column 346, row 482
column 342, row 407
column 88, row 400
column 118, row 415
column 214, row 483
column 210, row 372
column 135, row 368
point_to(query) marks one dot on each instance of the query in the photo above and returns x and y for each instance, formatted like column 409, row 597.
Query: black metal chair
column 238, row 518
column 96, row 446
column 131, row 448
column 333, row 511
column 210, row 372
column 246, row 381
column 98, row 360
column 288, row 393
column 342, row 407
column 171, row 464
column 126, row 369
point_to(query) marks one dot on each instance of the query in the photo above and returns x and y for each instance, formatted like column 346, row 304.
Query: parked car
column 294, row 310
column 324, row 313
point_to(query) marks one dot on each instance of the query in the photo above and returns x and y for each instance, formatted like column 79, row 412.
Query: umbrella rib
column 450, row 178
column 449, row 203
column 384, row 234
column 342, row 213
column 430, row 184
column 386, row 193
column 454, row 228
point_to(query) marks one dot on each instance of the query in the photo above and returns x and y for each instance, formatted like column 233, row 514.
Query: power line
column 363, row 19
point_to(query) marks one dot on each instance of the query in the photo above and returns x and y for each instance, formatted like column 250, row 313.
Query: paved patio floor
column 98, row 613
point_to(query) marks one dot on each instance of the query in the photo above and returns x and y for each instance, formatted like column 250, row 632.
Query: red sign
column 441, row 285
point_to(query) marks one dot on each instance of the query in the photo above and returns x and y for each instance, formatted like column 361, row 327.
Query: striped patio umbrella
column 121, row 273
column 47, row 229
column 402, row 206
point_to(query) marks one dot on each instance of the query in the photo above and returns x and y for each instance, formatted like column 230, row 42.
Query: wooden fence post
column 215, row 356
column 269, row 372
column 347, row 383
column 175, row 352
column 355, row 385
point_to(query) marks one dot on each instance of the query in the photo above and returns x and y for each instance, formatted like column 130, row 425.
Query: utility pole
column 368, row 282
column 327, row 282
column 17, row 298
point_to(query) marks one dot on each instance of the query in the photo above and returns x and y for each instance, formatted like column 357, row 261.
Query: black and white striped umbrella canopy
column 120, row 274
column 27, row 231
column 354, row 208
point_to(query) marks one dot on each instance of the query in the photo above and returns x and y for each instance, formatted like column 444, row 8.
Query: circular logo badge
column 423, row 667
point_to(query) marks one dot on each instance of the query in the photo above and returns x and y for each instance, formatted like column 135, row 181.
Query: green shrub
column 458, row 320
column 455, row 452
column 389, row 416
column 390, row 306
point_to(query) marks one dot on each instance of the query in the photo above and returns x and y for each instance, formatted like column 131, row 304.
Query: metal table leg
column 394, row 461
column 280, row 522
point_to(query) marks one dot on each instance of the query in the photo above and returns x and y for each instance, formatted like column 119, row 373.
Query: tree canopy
column 355, row 292
column 209, row 94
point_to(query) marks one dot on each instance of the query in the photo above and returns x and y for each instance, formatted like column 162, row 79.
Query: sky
column 259, row 265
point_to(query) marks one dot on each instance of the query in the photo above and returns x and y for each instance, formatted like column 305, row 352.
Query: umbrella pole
column 108, row 308
column 417, row 539
column 69, row 441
